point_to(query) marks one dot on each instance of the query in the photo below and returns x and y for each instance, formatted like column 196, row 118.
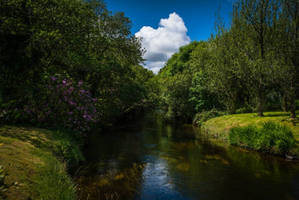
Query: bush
column 246, row 109
column 57, row 102
column 271, row 137
column 205, row 116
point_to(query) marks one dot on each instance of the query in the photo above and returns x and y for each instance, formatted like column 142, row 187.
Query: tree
column 256, row 20
column 288, row 50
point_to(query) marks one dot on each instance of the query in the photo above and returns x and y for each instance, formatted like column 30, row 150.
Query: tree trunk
column 293, row 113
column 293, row 106
column 231, row 103
column 260, row 104
column 284, row 103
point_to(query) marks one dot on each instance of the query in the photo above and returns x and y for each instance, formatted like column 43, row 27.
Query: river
column 150, row 160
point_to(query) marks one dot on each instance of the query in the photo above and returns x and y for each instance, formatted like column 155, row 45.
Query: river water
column 150, row 160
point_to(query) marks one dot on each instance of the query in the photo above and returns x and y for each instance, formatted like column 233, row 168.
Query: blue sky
column 196, row 19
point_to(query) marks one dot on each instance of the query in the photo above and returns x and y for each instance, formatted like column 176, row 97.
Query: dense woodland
column 68, row 63
column 73, row 64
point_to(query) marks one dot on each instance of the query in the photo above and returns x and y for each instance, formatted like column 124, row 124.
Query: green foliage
column 253, row 62
column 75, row 37
column 176, row 97
column 204, row 116
column 183, row 87
column 66, row 147
column 201, row 97
column 271, row 137
column 246, row 109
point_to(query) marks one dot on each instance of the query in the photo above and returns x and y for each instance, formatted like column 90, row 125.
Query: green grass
column 51, row 180
column 35, row 163
column 60, row 143
column 219, row 127
column 271, row 138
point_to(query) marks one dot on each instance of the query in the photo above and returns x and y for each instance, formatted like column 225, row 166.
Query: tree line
column 252, row 65
column 74, row 64
column 59, row 56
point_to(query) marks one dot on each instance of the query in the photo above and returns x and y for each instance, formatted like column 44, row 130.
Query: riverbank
column 34, row 163
column 219, row 127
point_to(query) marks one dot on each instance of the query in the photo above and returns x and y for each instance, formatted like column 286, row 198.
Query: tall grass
column 271, row 137
column 51, row 180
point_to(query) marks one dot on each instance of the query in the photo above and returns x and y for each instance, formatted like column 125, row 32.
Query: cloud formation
column 161, row 43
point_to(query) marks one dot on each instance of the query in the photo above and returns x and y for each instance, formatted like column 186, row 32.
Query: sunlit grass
column 33, row 161
column 220, row 126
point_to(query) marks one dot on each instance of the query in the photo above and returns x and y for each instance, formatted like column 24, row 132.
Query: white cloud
column 161, row 43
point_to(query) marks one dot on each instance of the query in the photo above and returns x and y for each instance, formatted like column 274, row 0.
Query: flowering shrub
column 63, row 102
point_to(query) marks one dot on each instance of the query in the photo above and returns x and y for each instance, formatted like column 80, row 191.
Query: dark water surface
column 176, row 166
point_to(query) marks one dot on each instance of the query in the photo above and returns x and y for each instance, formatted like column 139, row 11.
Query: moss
column 35, row 163
column 219, row 127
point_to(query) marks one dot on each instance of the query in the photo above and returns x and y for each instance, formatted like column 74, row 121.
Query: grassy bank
column 35, row 162
column 220, row 127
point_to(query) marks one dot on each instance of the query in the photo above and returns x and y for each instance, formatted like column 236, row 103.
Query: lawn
column 220, row 126
column 34, row 164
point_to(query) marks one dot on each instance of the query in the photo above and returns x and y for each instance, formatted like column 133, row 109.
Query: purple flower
column 53, row 78
column 72, row 103
column 71, row 89
column 80, row 83
column 64, row 81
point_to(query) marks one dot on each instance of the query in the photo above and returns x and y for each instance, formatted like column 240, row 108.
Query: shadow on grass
column 277, row 114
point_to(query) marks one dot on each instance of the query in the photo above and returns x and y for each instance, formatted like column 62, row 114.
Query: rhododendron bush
column 60, row 102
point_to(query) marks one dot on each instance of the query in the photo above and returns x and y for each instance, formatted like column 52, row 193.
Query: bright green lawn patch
column 34, row 162
column 220, row 126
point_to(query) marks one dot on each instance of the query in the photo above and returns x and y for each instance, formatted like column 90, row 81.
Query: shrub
column 205, row 116
column 243, row 136
column 246, row 109
column 271, row 137
column 62, row 102
column 57, row 102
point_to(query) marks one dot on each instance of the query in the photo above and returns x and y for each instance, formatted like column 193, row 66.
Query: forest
column 74, row 68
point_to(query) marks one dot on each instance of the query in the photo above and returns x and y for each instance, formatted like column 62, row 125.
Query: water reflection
column 173, row 165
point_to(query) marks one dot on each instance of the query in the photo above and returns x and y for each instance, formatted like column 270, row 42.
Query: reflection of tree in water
column 113, row 185
column 205, row 170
